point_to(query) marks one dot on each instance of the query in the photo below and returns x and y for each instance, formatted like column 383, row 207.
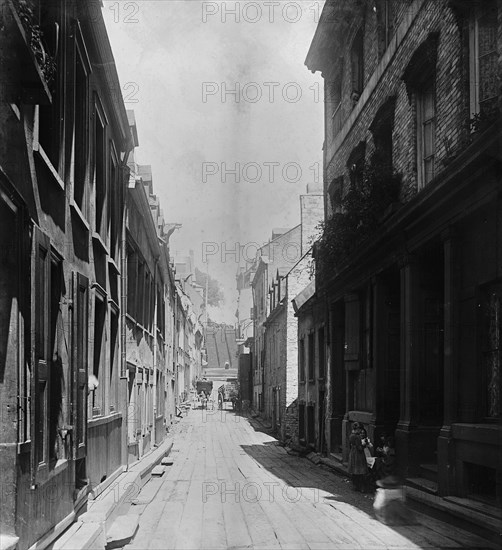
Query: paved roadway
column 232, row 486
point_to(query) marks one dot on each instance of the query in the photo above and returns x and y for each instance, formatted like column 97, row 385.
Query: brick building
column 409, row 266
column 282, row 270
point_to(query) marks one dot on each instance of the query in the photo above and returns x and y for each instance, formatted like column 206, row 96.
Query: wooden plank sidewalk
column 232, row 486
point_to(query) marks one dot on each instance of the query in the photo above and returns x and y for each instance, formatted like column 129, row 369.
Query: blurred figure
column 358, row 467
column 386, row 463
column 389, row 505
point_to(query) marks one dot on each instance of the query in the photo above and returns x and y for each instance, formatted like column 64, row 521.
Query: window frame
column 101, row 215
column 474, row 57
column 80, row 136
column 321, row 344
column 99, row 397
column 421, row 95
column 311, row 355
column 357, row 64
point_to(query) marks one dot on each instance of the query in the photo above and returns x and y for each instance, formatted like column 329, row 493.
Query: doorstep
column 480, row 515
column 483, row 516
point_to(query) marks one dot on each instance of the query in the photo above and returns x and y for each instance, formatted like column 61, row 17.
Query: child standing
column 358, row 467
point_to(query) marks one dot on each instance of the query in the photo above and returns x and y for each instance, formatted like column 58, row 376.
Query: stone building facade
column 413, row 95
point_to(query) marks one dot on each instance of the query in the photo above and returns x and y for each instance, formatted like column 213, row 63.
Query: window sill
column 23, row 448
column 96, row 237
column 113, row 265
column 114, row 305
column 100, row 420
column 100, row 290
column 78, row 213
column 46, row 474
column 42, row 155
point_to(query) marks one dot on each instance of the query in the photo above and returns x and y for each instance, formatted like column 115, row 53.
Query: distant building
column 412, row 321
column 282, row 270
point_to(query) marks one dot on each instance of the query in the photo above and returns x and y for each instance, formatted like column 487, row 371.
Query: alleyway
column 233, row 486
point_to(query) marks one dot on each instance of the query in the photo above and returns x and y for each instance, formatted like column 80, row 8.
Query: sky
column 228, row 116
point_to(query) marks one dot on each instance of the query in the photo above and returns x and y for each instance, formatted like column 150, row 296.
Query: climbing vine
column 361, row 214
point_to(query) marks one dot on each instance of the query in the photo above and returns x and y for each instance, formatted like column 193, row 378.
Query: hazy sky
column 179, row 62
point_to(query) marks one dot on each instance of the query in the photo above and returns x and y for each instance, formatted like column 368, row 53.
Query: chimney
column 312, row 213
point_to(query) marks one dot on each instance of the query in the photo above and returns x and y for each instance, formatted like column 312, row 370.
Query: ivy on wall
column 361, row 214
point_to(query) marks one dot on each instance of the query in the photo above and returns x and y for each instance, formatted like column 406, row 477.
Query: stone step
column 167, row 461
column 472, row 504
column 423, row 484
column 158, row 471
column 429, row 471
column 122, row 531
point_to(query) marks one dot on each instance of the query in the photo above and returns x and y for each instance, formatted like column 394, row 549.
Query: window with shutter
column 98, row 393
column 41, row 303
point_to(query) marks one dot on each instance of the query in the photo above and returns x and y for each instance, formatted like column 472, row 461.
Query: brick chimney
column 312, row 212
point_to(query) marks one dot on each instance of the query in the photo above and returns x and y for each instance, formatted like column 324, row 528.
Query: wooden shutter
column 40, row 278
column 80, row 362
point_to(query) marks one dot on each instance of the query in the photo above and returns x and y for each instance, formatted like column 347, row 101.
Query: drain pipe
column 155, row 362
column 124, row 372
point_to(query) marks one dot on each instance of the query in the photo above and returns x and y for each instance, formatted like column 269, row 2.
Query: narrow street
column 232, row 486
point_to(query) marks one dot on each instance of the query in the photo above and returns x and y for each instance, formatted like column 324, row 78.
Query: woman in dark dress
column 358, row 467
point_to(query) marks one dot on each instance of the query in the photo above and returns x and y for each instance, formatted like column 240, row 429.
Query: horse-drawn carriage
column 204, row 390
column 228, row 392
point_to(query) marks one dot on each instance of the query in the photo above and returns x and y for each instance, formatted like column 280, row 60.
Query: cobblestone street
column 232, row 486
